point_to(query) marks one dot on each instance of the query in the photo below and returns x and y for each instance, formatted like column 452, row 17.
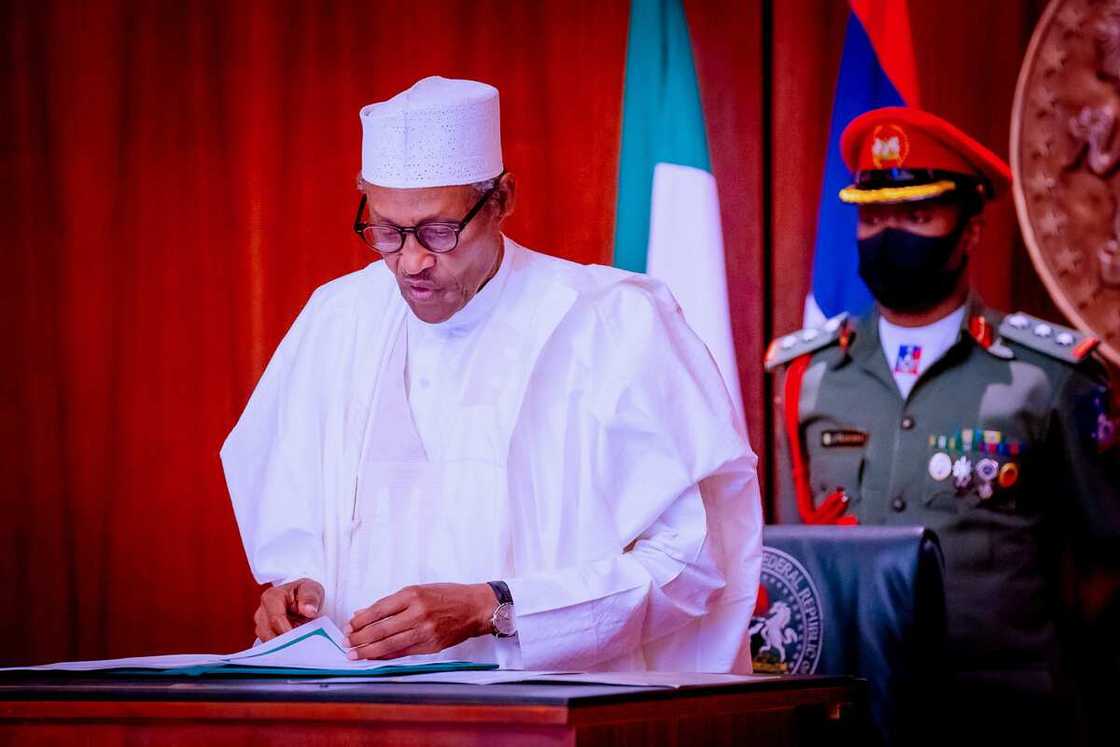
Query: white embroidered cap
column 439, row 133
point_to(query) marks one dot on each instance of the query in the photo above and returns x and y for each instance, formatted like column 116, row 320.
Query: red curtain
column 181, row 176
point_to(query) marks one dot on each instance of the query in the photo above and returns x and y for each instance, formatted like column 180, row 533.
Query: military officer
column 993, row 430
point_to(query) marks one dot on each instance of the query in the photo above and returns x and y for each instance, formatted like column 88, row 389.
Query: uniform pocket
column 833, row 471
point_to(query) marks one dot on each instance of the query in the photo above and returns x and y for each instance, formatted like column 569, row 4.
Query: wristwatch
column 502, row 623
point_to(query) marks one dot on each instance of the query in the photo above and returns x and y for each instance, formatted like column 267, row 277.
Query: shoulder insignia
column 1054, row 340
column 982, row 332
column 809, row 340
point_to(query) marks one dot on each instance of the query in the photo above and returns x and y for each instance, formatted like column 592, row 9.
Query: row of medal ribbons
column 978, row 441
column 985, row 473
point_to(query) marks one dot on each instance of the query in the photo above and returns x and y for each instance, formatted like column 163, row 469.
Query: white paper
column 300, row 648
column 319, row 645
column 170, row 661
column 511, row 676
column 466, row 677
column 655, row 679
column 312, row 652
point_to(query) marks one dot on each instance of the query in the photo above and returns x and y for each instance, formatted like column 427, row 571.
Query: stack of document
column 315, row 652
column 313, row 649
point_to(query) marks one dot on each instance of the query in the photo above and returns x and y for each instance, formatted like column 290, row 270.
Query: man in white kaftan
column 478, row 452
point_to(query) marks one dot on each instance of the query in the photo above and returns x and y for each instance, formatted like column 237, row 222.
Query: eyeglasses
column 438, row 237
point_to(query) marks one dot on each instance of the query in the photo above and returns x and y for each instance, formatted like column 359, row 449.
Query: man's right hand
column 288, row 606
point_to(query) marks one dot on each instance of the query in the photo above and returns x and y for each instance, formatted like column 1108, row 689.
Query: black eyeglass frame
column 402, row 231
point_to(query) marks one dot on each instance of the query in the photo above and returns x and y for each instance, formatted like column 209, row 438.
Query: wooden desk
column 68, row 710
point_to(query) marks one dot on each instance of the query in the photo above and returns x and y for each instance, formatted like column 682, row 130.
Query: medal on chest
column 980, row 461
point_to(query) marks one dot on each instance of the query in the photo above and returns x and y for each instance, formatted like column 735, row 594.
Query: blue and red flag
column 877, row 69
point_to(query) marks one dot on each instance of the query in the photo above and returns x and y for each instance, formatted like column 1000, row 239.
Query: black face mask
column 907, row 272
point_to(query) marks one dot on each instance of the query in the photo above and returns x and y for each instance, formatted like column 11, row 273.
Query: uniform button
column 898, row 504
column 908, row 422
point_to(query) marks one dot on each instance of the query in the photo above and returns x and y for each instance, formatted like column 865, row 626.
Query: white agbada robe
column 565, row 432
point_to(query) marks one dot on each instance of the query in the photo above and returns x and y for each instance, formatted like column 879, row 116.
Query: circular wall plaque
column 1065, row 156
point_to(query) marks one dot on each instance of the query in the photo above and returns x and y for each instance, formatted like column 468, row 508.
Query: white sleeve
column 656, row 487
column 274, row 483
column 580, row 616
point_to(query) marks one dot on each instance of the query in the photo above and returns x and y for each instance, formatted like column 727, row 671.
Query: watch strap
column 501, row 591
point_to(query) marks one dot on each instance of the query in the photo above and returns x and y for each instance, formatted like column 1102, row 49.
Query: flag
column 877, row 69
column 667, row 217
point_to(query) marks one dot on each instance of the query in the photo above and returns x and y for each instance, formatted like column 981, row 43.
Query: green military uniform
column 1004, row 448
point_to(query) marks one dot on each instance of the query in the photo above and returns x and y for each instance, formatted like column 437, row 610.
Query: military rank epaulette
column 809, row 340
column 1054, row 340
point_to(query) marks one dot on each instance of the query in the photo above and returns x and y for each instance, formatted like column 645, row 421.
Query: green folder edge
column 234, row 670
column 238, row 670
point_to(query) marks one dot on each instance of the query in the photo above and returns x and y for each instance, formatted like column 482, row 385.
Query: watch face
column 503, row 620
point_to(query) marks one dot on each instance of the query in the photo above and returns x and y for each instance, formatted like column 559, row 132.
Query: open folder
column 314, row 649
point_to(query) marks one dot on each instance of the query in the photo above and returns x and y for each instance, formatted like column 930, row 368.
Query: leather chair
column 863, row 601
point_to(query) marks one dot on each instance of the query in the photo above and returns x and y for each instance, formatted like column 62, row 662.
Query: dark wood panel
column 807, row 41
column 808, row 37
column 786, row 711
column 728, row 38
column 296, row 734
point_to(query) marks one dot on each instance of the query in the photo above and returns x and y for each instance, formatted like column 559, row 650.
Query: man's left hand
column 420, row 619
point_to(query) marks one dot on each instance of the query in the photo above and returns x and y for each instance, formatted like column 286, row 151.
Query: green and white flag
column 668, row 221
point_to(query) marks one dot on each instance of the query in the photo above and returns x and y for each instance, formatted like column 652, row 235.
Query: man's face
column 914, row 256
column 924, row 218
column 436, row 286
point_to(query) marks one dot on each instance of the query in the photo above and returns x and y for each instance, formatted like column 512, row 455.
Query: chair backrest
column 863, row 601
